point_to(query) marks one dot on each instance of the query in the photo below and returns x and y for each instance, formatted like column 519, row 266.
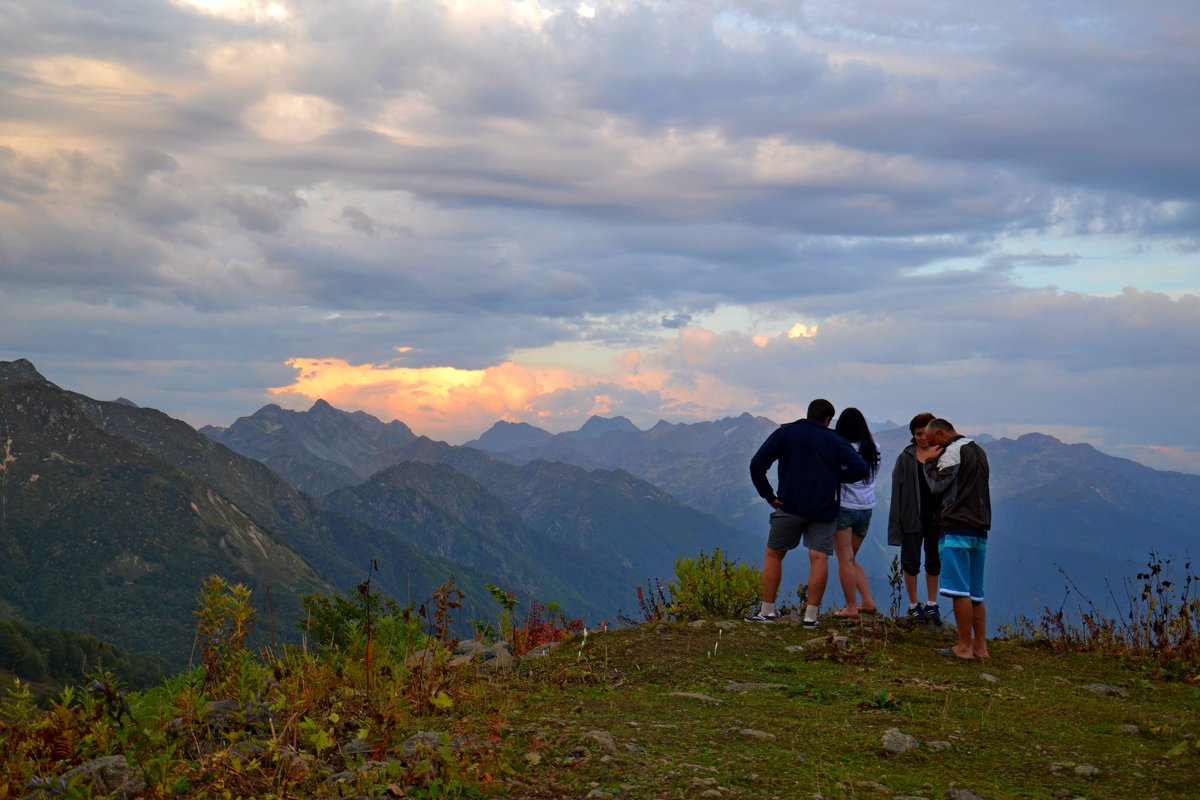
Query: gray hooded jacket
column 904, row 514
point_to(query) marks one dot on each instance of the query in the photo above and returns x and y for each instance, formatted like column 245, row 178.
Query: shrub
column 1160, row 622
column 342, row 622
column 542, row 623
column 224, row 619
column 653, row 604
column 713, row 586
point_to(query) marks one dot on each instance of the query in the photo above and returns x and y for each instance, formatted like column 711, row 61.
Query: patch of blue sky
column 1095, row 265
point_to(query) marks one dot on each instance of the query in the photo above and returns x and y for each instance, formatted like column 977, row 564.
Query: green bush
column 713, row 586
column 342, row 623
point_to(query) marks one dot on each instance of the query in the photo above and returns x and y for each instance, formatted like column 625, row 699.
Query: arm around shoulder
column 854, row 467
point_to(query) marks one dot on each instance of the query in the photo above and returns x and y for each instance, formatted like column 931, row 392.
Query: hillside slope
column 445, row 513
column 100, row 535
column 340, row 548
column 607, row 513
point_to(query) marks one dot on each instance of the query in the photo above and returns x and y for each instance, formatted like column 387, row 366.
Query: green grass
column 623, row 712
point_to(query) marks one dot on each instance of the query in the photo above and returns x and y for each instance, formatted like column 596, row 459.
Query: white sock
column 767, row 608
column 913, row 605
column 811, row 612
column 932, row 603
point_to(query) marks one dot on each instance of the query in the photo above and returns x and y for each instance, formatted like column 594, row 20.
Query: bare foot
column 982, row 653
column 954, row 652
column 868, row 609
column 846, row 613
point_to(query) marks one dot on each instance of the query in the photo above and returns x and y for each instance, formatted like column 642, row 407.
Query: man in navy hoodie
column 814, row 462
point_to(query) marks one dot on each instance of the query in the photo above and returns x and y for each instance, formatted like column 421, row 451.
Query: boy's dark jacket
column 961, row 476
column 814, row 462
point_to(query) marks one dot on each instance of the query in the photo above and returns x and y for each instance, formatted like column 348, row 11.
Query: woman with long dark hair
column 854, row 516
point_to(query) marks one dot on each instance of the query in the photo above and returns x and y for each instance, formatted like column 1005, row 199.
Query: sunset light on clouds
column 457, row 211
column 455, row 404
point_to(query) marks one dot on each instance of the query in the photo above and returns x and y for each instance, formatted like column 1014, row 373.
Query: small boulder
column 696, row 696
column 873, row 786
column 963, row 794
column 602, row 738
column 358, row 748
column 428, row 739
column 110, row 776
column 734, row 686
column 753, row 734
column 895, row 742
column 543, row 650
column 497, row 658
column 469, row 647
column 832, row 641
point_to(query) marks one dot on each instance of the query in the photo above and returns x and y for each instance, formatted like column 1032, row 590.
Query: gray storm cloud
column 933, row 185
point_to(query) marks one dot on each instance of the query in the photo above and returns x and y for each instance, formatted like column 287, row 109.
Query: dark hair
column 820, row 410
column 852, row 426
column 919, row 421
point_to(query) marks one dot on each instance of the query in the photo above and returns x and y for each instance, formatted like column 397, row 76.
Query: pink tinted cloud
column 676, row 380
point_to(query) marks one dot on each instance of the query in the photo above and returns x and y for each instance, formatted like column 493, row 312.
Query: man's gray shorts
column 787, row 531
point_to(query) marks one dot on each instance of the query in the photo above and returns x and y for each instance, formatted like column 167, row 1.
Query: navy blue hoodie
column 814, row 462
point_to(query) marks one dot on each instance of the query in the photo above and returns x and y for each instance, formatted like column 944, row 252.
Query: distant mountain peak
column 1038, row 439
column 504, row 436
column 20, row 370
column 322, row 407
column 269, row 410
column 121, row 401
column 602, row 426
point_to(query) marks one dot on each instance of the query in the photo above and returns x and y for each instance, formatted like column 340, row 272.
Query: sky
column 451, row 212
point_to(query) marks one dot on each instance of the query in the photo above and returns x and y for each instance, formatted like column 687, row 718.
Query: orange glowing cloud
column 444, row 402
column 456, row 404
column 802, row 331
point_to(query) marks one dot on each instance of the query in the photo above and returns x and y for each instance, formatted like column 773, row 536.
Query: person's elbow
column 855, row 472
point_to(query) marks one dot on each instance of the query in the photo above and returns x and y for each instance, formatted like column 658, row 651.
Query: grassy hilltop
column 379, row 704
column 785, row 723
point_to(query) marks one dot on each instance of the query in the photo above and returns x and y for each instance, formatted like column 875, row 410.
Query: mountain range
column 584, row 536
column 112, row 515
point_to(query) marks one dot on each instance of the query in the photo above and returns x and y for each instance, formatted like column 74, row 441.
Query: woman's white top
column 860, row 495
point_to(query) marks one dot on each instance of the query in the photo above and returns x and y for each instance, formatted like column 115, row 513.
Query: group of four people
column 940, row 508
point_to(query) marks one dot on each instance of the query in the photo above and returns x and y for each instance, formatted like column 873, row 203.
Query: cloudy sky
column 451, row 212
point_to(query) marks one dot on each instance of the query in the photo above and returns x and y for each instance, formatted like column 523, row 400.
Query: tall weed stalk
column 1158, row 618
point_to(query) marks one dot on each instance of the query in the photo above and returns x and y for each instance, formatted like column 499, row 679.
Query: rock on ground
column 110, row 776
column 896, row 741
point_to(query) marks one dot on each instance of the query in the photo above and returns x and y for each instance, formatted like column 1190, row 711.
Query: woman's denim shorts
column 856, row 519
